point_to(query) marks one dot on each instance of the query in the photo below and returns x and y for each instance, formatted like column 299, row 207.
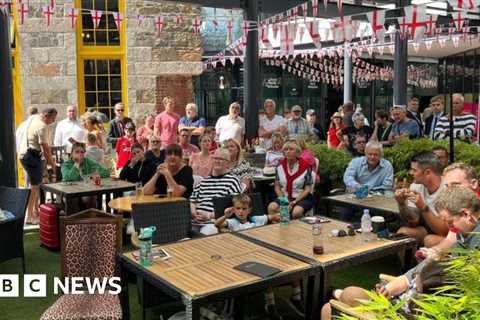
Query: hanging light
column 221, row 85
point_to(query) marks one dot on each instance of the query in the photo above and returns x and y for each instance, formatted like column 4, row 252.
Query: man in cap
column 315, row 126
column 297, row 126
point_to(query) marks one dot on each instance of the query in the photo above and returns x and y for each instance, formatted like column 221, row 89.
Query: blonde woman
column 238, row 166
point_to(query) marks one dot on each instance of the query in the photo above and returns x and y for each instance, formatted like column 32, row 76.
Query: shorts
column 34, row 167
column 307, row 203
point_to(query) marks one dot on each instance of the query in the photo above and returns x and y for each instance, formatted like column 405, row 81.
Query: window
column 103, row 84
column 101, row 57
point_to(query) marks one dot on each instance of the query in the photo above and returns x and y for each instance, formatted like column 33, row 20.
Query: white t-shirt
column 67, row 129
column 227, row 128
column 430, row 199
column 271, row 125
column 234, row 224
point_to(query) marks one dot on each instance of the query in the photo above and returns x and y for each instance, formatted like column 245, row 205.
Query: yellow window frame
column 88, row 52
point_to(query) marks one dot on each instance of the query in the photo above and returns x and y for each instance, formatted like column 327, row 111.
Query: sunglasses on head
column 154, row 141
column 120, row 110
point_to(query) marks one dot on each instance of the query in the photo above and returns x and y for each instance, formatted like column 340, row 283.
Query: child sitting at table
column 238, row 217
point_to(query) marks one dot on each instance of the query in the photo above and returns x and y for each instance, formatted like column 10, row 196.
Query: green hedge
column 334, row 162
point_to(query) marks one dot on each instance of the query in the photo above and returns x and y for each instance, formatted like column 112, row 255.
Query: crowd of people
column 182, row 156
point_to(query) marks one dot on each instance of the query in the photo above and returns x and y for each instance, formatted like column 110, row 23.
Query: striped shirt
column 214, row 187
column 463, row 127
column 298, row 127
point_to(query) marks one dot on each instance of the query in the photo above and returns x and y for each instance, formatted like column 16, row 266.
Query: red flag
column 178, row 19
column 229, row 30
column 314, row 8
column 196, row 23
column 23, row 10
column 159, row 23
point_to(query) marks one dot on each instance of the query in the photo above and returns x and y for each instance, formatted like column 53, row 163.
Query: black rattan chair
column 11, row 232
column 173, row 223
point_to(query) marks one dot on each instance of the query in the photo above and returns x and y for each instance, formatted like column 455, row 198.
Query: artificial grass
column 39, row 260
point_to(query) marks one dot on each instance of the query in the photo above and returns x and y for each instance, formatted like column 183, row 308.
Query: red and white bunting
column 215, row 23
column 377, row 23
column 229, row 31
column 343, row 29
column 442, row 42
column 314, row 8
column 428, row 44
column 264, row 36
column 178, row 19
column 23, row 11
column 417, row 20
column 159, row 24
column 301, row 32
column 4, row 7
column 287, row 37
column 381, row 49
column 339, row 5
column 305, row 10
column 275, row 30
column 48, row 12
column 72, row 15
column 196, row 24
column 245, row 27
column 312, row 27
column 96, row 17
column 456, row 40
column 118, row 18
column 431, row 23
column 464, row 4
column 140, row 19
column 416, row 46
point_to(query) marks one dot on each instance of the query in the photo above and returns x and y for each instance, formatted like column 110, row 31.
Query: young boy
column 124, row 145
column 93, row 151
column 242, row 208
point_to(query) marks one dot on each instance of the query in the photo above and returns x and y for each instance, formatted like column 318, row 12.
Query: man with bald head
column 463, row 123
column 69, row 128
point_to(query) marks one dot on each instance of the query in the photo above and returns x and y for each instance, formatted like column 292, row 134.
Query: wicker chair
column 173, row 223
column 340, row 307
column 11, row 232
column 90, row 242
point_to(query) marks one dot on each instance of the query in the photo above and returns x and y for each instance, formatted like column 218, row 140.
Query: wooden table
column 295, row 240
column 201, row 270
column 124, row 204
column 383, row 205
column 70, row 190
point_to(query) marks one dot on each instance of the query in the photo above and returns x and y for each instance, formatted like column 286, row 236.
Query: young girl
column 276, row 153
column 238, row 217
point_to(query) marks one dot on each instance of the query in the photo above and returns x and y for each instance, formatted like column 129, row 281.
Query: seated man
column 370, row 170
column 403, row 127
column 417, row 203
column 219, row 184
column 460, row 207
column 359, row 145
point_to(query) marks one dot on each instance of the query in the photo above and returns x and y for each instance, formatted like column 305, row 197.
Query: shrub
column 332, row 163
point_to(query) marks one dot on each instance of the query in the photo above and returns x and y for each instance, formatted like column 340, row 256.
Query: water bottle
column 317, row 238
column 366, row 221
column 145, row 238
column 284, row 211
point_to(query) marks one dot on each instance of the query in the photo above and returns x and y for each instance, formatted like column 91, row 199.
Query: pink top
column 201, row 166
column 143, row 134
column 167, row 124
column 308, row 156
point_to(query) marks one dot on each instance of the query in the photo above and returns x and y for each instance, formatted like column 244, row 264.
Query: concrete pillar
column 8, row 161
column 347, row 77
column 251, row 74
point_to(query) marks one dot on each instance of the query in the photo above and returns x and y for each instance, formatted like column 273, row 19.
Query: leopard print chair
column 90, row 242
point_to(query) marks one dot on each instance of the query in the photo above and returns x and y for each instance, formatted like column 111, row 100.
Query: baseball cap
column 310, row 112
column 296, row 108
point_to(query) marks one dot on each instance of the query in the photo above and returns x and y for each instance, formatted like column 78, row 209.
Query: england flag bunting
column 314, row 8
column 275, row 27
column 312, row 27
column 96, row 17
column 377, row 23
column 229, row 30
column 264, row 36
column 72, row 15
column 417, row 20
column 118, row 18
column 343, row 29
column 196, row 24
column 159, row 24
column 305, row 10
column 48, row 11
column 459, row 16
column 287, row 37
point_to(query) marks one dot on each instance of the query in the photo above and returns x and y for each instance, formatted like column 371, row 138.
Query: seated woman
column 309, row 157
column 172, row 175
column 154, row 154
column 138, row 169
column 79, row 166
column 294, row 180
column 202, row 161
column 238, row 166
column 275, row 154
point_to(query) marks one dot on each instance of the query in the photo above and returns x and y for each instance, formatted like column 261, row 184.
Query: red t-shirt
column 124, row 151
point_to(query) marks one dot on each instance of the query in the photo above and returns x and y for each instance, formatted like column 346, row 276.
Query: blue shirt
column 357, row 174
column 195, row 122
column 408, row 127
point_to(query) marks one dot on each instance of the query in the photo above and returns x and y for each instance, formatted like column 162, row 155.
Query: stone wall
column 48, row 59
column 165, row 64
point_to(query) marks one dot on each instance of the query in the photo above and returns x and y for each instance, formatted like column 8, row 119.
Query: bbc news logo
column 35, row 285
